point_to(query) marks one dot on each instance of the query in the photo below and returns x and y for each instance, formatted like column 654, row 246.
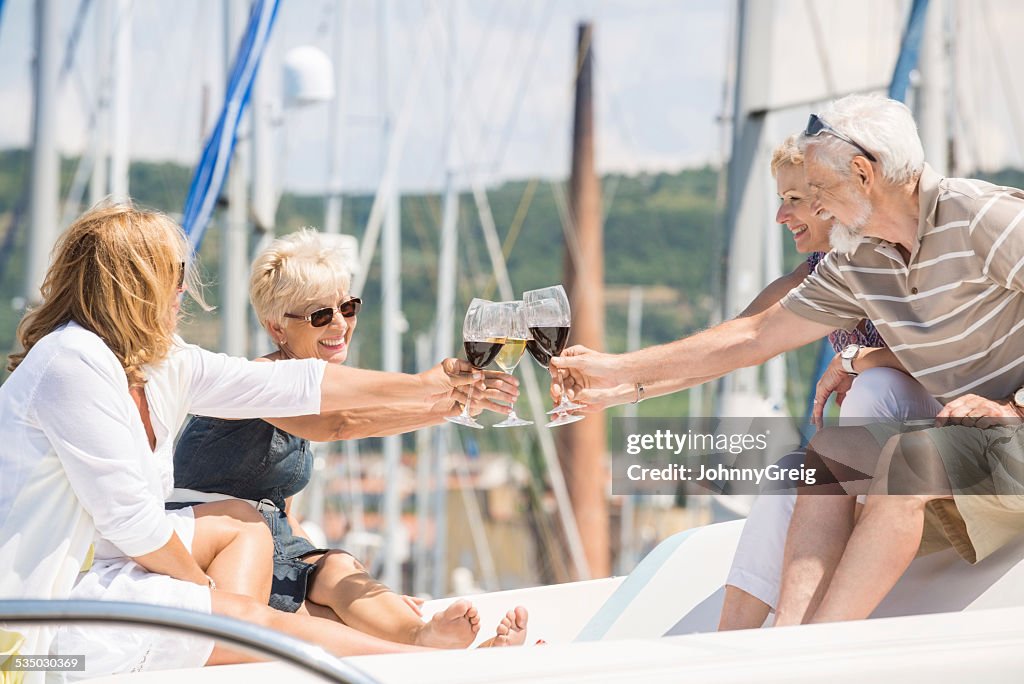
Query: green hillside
column 662, row 232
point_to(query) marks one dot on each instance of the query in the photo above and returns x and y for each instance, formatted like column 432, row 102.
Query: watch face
column 1018, row 397
column 850, row 352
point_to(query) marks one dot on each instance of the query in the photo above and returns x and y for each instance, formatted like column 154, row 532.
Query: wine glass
column 549, row 319
column 517, row 334
column 483, row 335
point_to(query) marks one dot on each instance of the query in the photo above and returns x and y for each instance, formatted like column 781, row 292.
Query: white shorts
column 112, row 650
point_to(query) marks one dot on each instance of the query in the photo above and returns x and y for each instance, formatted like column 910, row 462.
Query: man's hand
column 834, row 379
column 580, row 368
column 596, row 400
column 971, row 410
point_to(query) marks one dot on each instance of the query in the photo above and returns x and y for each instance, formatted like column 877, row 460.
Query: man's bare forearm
column 710, row 354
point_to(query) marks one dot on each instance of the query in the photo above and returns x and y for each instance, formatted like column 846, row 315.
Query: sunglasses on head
column 816, row 126
column 321, row 317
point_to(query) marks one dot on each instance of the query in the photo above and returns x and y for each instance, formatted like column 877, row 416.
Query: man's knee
column 892, row 505
column 914, row 467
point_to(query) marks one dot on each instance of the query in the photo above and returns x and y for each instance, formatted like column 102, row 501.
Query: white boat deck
column 957, row 622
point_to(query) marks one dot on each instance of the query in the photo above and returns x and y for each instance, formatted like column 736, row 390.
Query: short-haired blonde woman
column 86, row 423
column 299, row 289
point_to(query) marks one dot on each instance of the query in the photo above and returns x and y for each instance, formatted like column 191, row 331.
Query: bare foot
column 511, row 630
column 454, row 627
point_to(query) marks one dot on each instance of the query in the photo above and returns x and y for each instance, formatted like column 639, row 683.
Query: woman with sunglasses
column 299, row 288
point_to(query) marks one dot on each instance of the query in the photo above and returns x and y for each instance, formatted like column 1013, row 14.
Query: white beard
column 844, row 238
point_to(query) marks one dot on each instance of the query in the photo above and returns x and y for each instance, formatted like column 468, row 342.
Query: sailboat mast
column 444, row 343
column 45, row 157
column 747, row 194
column 392, row 321
column 234, row 254
column 120, row 109
column 336, row 130
column 933, row 90
column 101, row 133
column 584, row 444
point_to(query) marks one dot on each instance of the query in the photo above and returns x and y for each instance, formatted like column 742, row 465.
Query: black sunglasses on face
column 181, row 276
column 816, row 126
column 321, row 317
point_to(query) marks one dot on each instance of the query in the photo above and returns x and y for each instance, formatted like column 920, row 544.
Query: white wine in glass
column 516, row 338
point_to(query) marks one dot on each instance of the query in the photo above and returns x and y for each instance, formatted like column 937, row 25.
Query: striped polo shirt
column 953, row 314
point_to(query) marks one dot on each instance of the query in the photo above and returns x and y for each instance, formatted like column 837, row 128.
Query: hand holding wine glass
column 549, row 319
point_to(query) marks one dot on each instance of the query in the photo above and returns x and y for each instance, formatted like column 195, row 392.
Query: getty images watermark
column 721, row 455
column 767, row 456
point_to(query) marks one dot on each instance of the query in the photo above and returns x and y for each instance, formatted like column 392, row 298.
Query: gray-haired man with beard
column 936, row 264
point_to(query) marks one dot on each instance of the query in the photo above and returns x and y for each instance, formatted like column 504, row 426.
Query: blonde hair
column 296, row 269
column 114, row 272
column 788, row 153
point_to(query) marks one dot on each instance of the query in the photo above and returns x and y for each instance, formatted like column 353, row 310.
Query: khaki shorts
column 985, row 469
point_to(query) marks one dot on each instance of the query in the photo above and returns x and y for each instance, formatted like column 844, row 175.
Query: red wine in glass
column 548, row 341
column 480, row 354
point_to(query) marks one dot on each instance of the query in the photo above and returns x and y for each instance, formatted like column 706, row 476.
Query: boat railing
column 248, row 637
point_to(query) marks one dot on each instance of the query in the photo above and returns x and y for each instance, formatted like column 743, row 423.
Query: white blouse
column 75, row 462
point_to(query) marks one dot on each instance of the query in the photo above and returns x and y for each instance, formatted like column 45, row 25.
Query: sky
column 662, row 80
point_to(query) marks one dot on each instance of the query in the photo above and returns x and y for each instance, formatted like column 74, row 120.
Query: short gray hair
column 883, row 126
column 298, row 268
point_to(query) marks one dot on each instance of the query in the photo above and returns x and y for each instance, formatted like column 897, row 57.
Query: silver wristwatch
column 1018, row 398
column 847, row 356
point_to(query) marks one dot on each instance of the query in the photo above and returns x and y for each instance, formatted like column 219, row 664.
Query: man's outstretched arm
column 690, row 361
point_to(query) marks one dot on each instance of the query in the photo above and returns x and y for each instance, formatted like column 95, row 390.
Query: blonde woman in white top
column 83, row 463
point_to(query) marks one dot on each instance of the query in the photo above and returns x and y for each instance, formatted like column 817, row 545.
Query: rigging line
column 1008, row 83
column 417, row 218
column 71, row 47
column 524, row 80
column 518, row 219
column 962, row 121
column 324, row 25
column 572, row 242
column 568, row 222
column 819, row 47
column 505, row 68
column 465, row 82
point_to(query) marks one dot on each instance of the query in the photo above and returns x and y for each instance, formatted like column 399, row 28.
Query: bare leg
column 342, row 584
column 233, row 546
column 817, row 536
column 881, row 548
column 741, row 610
column 888, row 533
column 823, row 519
column 337, row 638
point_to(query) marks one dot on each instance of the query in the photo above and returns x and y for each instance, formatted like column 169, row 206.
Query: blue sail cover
column 212, row 170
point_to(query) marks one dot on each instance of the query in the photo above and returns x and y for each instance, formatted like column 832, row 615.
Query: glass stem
column 469, row 399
